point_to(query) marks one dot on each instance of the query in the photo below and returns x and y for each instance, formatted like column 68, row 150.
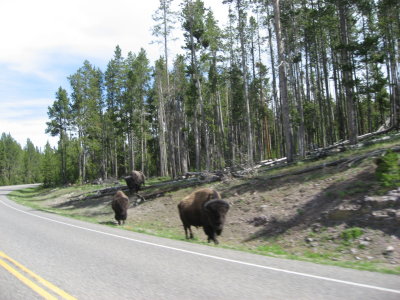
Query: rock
column 316, row 227
column 344, row 212
column 353, row 251
column 258, row 221
column 309, row 240
column 364, row 243
column 391, row 212
column 389, row 250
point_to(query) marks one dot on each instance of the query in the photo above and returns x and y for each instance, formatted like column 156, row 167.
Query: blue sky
column 45, row 41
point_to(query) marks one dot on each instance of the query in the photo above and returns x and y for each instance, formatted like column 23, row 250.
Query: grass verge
column 36, row 198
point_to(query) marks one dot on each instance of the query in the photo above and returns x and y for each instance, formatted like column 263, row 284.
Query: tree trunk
column 162, row 131
column 347, row 74
column 283, row 85
column 250, row 157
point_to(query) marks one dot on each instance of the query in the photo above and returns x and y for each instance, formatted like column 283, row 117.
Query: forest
column 282, row 78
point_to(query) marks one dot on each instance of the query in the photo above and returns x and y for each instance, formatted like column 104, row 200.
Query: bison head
column 215, row 211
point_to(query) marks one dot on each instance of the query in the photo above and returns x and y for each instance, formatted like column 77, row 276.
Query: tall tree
column 165, row 19
column 11, row 160
column 179, row 117
column 114, row 83
column 60, row 118
column 160, row 86
column 50, row 171
column 193, row 14
column 137, row 86
column 31, row 161
column 241, row 7
column 87, row 103
column 347, row 69
column 389, row 27
column 286, row 123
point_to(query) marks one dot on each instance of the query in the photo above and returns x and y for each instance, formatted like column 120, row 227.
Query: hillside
column 320, row 211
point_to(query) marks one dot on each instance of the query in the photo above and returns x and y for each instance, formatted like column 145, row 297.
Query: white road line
column 210, row 256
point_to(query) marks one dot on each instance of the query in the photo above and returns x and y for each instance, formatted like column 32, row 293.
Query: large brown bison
column 204, row 208
column 120, row 205
column 135, row 181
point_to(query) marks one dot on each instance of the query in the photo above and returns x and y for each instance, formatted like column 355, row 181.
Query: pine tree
column 193, row 15
column 49, row 169
column 31, row 163
column 87, row 106
column 60, row 119
column 165, row 19
column 114, row 83
column 286, row 122
column 136, row 89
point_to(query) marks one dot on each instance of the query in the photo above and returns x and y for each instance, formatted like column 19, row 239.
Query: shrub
column 351, row 233
column 388, row 169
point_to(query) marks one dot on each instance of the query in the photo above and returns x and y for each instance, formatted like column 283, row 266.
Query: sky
column 42, row 42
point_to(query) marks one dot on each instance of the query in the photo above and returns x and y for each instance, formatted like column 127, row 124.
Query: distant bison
column 204, row 208
column 135, row 181
column 120, row 205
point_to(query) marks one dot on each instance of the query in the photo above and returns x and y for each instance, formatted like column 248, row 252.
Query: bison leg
column 214, row 238
column 211, row 234
column 191, row 233
column 188, row 228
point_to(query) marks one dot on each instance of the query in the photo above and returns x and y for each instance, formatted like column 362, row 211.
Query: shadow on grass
column 84, row 203
column 108, row 223
column 314, row 210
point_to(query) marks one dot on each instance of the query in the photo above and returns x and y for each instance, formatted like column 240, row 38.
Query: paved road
column 90, row 261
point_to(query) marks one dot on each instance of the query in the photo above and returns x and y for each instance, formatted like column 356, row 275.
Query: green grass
column 271, row 249
column 351, row 233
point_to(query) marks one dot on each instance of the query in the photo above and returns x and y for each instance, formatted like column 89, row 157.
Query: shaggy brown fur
column 204, row 208
column 135, row 181
column 120, row 205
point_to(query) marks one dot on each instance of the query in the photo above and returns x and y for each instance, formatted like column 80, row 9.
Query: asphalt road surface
column 44, row 255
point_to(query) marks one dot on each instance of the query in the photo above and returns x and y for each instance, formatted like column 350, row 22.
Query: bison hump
column 216, row 204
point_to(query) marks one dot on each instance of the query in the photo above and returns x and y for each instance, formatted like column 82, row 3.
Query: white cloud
column 43, row 40
column 79, row 27
column 25, row 119
column 89, row 28
column 32, row 128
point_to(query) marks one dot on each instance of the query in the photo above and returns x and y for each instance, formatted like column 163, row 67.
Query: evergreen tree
column 114, row 83
column 193, row 14
column 136, row 90
column 87, row 107
column 49, row 167
column 165, row 19
column 60, row 119
column 11, row 161
column 31, row 164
